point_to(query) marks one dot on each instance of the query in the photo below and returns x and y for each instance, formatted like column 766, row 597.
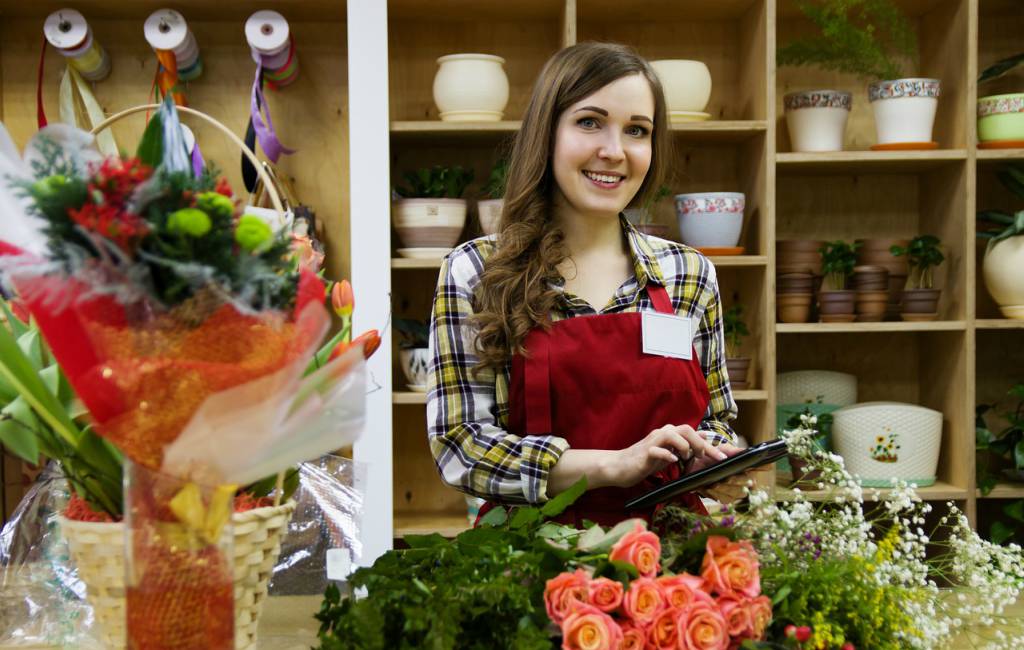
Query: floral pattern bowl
column 710, row 219
column 1001, row 117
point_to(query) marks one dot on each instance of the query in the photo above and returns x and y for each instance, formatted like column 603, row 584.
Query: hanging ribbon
column 40, row 111
column 167, row 77
column 265, row 132
column 176, row 50
column 78, row 107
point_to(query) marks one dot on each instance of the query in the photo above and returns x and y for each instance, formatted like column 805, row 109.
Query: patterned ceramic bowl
column 880, row 441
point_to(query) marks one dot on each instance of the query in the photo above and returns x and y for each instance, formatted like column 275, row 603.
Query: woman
column 539, row 374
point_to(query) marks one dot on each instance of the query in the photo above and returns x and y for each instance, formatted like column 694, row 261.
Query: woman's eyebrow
column 601, row 111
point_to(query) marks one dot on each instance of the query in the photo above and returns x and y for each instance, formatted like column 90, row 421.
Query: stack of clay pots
column 876, row 253
column 872, row 286
column 798, row 277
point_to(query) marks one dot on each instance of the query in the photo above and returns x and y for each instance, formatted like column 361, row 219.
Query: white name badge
column 666, row 335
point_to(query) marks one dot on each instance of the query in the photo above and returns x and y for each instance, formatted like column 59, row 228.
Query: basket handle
column 275, row 198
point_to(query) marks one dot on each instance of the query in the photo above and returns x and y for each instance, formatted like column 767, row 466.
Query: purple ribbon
column 271, row 146
column 197, row 161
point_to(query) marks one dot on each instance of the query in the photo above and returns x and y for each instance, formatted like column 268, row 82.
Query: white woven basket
column 817, row 387
column 883, row 440
column 98, row 552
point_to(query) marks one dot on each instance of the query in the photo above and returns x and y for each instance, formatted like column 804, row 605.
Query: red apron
column 588, row 380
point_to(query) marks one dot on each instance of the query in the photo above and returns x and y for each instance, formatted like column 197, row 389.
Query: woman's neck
column 588, row 234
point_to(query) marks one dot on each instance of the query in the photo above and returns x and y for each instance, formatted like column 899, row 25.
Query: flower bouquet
column 190, row 334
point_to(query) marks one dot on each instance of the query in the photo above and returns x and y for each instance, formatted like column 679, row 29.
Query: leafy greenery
column 495, row 187
column 1006, row 445
column 996, row 224
column 436, row 182
column 838, row 259
column 1001, row 67
column 923, row 253
column 415, row 333
column 735, row 330
column 863, row 37
column 484, row 589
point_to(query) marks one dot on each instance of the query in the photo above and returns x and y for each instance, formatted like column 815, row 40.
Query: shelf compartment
column 867, row 328
column 940, row 491
column 1004, row 491
column 999, row 324
column 414, row 523
column 987, row 156
column 866, row 162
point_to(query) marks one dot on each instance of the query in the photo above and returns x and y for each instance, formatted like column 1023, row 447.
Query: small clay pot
column 871, row 278
column 737, row 369
column 801, row 475
column 837, row 303
column 920, row 304
column 871, row 305
column 793, row 307
column 795, row 283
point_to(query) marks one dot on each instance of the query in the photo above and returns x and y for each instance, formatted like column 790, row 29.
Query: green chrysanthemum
column 189, row 221
column 216, row 205
column 253, row 234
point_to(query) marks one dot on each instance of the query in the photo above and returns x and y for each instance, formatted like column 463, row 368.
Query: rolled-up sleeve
column 710, row 345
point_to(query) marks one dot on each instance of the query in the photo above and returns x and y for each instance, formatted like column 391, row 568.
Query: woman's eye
column 637, row 131
column 587, row 122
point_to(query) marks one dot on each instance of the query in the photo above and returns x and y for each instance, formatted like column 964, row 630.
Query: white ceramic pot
column 710, row 219
column 490, row 214
column 904, row 109
column 415, row 365
column 471, row 87
column 883, row 440
column 816, row 119
column 687, row 84
column 429, row 223
column 1004, row 278
column 817, row 387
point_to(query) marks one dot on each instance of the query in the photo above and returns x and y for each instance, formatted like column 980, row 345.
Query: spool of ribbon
column 68, row 31
column 176, row 51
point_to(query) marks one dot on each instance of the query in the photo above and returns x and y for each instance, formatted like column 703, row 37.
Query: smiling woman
column 525, row 394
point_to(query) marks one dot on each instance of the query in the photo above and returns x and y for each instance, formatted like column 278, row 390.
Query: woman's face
column 603, row 147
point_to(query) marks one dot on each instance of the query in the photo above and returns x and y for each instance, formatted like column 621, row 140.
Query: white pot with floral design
column 904, row 109
column 880, row 441
column 816, row 119
column 415, row 365
column 471, row 88
column 710, row 219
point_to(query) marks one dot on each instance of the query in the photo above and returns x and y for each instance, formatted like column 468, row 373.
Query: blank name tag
column 667, row 336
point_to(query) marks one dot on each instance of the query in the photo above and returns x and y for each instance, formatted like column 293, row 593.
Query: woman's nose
column 611, row 147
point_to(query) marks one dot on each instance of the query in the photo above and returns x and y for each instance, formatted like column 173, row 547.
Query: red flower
column 222, row 187
column 116, row 179
column 123, row 228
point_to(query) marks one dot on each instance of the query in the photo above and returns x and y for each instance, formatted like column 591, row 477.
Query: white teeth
column 603, row 178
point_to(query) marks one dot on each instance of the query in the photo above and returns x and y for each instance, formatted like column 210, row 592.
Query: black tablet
column 762, row 454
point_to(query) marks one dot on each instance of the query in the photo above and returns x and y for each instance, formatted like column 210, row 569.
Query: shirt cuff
column 535, row 470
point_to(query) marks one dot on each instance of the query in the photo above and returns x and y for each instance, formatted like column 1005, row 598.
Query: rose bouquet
column 186, row 329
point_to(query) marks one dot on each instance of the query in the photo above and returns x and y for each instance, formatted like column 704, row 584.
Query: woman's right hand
column 657, row 450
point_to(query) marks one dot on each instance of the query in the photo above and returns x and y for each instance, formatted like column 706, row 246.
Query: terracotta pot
column 793, row 307
column 737, row 369
column 871, row 278
column 871, row 305
column 831, row 303
column 653, row 229
column 920, row 304
column 795, row 283
column 801, row 475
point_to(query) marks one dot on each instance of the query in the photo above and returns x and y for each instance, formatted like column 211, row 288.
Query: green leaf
column 1015, row 510
column 494, row 517
column 150, row 150
column 432, row 540
column 524, row 517
column 1018, row 454
column 986, row 483
column 982, row 437
column 17, row 326
column 603, row 542
column 320, row 358
column 32, row 347
column 1001, row 67
column 781, row 594
column 557, row 505
column 51, row 377
column 18, row 430
column 1000, row 532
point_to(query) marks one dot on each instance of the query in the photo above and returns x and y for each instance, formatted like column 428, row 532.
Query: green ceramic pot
column 1001, row 117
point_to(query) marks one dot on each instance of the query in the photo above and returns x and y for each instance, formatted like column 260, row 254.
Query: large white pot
column 817, row 387
column 710, row 219
column 687, row 84
column 429, row 223
column 883, row 440
column 1004, row 275
column 816, row 119
column 904, row 109
column 415, row 366
column 471, row 88
column 490, row 214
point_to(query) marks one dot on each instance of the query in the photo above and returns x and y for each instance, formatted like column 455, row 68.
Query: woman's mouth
column 604, row 180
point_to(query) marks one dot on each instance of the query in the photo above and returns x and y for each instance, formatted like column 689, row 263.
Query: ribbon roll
column 273, row 50
column 68, row 31
column 176, row 51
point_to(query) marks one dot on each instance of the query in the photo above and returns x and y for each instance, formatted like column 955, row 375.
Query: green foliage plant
column 862, row 37
column 496, row 181
column 923, row 253
column 436, row 182
column 1006, row 445
column 997, row 225
column 1001, row 67
column 735, row 330
column 415, row 333
column 837, row 261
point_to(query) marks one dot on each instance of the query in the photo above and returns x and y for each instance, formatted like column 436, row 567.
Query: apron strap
column 659, row 298
column 537, row 380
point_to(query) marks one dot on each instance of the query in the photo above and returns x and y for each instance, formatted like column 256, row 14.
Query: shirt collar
column 645, row 263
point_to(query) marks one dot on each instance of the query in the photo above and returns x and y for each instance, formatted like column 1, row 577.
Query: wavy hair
column 514, row 294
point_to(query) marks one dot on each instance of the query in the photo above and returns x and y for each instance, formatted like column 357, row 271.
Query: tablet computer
column 761, row 454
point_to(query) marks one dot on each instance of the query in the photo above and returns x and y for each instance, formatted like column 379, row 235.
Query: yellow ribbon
column 78, row 107
column 207, row 521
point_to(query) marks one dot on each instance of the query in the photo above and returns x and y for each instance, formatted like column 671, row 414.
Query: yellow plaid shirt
column 467, row 415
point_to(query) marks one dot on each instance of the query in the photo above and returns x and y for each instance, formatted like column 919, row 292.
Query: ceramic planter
column 471, row 88
column 710, row 219
column 880, row 441
column 877, row 252
column 904, row 109
column 870, row 278
column 871, row 305
column 793, row 307
column 415, row 365
column 737, row 369
column 798, row 255
column 817, row 387
column 816, row 119
column 1001, row 117
column 920, row 304
column 489, row 212
column 429, row 223
column 794, row 283
column 837, row 306
column 687, row 84
column 1002, row 267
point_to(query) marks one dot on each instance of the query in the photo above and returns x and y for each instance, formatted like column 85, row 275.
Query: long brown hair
column 514, row 294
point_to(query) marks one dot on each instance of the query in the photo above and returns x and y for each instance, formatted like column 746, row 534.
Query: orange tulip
column 370, row 340
column 342, row 299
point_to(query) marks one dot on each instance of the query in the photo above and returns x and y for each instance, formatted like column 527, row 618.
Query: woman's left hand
column 733, row 488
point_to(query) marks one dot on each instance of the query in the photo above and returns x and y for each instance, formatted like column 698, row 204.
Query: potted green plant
column 414, row 352
column 1001, row 116
column 920, row 298
column 1004, row 255
column 1001, row 452
column 835, row 302
column 642, row 217
column 735, row 331
column 432, row 213
column 867, row 38
column 489, row 210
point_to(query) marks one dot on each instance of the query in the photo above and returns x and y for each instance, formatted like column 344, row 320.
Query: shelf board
column 938, row 492
column 717, row 260
column 1000, row 154
column 1004, row 491
column 834, row 328
column 750, row 395
column 710, row 131
column 415, row 263
column 408, row 397
column 866, row 162
column 720, row 130
column 447, row 524
column 999, row 324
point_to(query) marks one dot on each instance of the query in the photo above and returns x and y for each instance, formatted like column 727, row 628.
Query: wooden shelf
column 425, row 130
column 717, row 260
column 720, row 130
column 408, row 397
column 447, row 524
column 750, row 395
column 987, row 155
column 999, row 324
column 833, row 328
column 411, row 263
column 1004, row 491
column 866, row 162
column 938, row 492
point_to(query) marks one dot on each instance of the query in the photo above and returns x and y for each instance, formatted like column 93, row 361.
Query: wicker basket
column 98, row 552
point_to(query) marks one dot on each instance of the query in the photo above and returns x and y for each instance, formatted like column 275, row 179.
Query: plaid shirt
column 467, row 415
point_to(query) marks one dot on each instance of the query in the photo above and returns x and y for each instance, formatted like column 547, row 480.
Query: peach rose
column 605, row 594
column 760, row 609
column 731, row 567
column 588, row 628
column 643, row 601
column 664, row 631
column 563, row 592
column 641, row 548
column 737, row 616
column 701, row 627
column 633, row 637
column 683, row 589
